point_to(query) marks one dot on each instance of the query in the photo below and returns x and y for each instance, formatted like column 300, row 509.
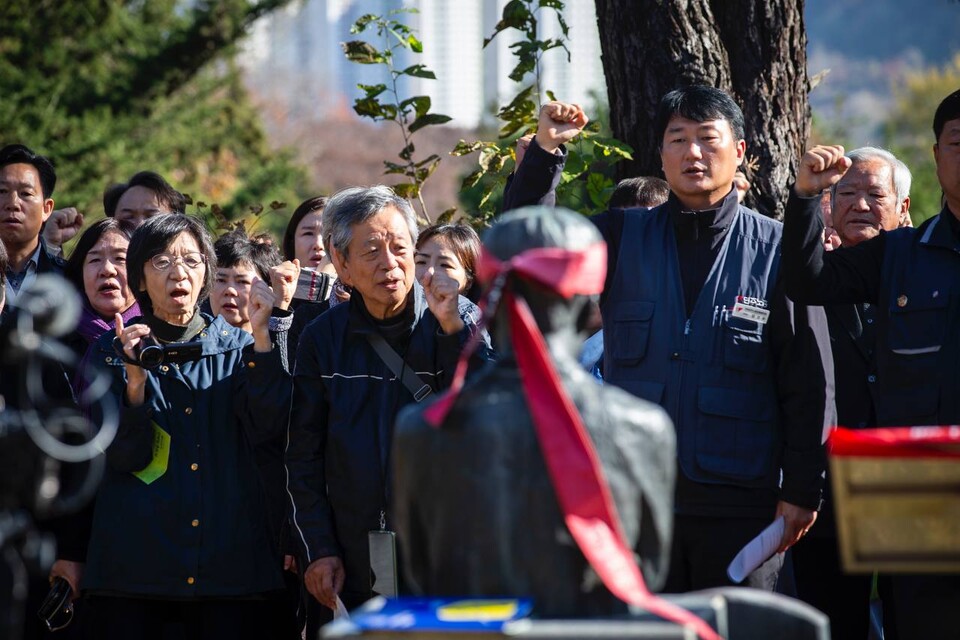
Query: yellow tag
column 477, row 611
column 161, row 456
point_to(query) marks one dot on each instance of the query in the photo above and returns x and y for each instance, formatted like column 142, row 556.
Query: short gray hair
column 901, row 174
column 356, row 205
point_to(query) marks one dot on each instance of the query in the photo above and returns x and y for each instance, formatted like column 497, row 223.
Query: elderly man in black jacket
column 913, row 276
column 873, row 196
column 394, row 343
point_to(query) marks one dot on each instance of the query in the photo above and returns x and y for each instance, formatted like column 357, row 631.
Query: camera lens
column 149, row 352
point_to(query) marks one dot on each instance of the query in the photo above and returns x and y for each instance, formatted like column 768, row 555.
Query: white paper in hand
column 756, row 552
column 340, row 611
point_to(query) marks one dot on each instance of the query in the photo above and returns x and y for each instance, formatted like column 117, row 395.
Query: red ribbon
column 897, row 442
column 572, row 461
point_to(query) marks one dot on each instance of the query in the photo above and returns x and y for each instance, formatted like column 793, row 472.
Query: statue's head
column 544, row 227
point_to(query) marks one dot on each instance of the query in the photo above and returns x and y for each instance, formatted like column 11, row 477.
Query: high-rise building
column 294, row 55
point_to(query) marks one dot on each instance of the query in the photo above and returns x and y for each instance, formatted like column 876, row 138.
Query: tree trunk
column 753, row 49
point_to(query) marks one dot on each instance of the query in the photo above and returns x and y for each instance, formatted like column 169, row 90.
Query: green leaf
column 492, row 158
column 363, row 22
column 415, row 44
column 519, row 114
column 372, row 90
column 611, row 147
column 389, row 111
column 464, row 148
column 574, row 168
column 563, row 27
column 598, row 188
column 362, row 52
column 401, row 38
column 526, row 53
column 472, row 179
column 431, row 158
column 516, row 15
column 406, row 190
column 368, row 108
column 428, row 119
column 421, row 105
column 393, row 167
column 417, row 71
column 446, row 216
column 486, row 196
column 407, row 152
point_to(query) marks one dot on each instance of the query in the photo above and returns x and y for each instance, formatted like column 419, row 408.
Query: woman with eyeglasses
column 180, row 546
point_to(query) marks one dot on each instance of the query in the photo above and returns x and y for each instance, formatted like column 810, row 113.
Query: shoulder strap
column 392, row 359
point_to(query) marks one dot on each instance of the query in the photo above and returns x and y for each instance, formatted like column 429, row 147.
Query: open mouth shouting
column 110, row 289
column 180, row 296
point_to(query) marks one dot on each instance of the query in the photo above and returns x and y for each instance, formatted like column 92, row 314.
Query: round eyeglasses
column 164, row 261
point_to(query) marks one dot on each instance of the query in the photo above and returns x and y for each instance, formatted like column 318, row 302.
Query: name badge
column 750, row 312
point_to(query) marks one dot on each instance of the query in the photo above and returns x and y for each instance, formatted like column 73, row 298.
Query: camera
column 149, row 353
column 57, row 610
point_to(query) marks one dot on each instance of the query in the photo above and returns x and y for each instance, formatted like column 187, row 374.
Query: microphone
column 50, row 307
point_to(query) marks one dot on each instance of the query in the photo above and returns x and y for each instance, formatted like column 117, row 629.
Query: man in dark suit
column 26, row 189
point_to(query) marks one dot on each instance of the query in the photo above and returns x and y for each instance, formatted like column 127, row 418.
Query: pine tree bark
column 753, row 49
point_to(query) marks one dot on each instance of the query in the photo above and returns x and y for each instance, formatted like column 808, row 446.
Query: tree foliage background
column 908, row 132
column 110, row 87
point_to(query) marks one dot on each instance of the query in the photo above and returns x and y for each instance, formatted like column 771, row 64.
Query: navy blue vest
column 918, row 358
column 712, row 372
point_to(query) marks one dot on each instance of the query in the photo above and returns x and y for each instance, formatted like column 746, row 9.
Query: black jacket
column 913, row 276
column 345, row 400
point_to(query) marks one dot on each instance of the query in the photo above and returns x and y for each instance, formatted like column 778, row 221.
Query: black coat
column 201, row 528
column 345, row 401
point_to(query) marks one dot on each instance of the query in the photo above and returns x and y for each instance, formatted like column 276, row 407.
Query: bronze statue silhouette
column 476, row 508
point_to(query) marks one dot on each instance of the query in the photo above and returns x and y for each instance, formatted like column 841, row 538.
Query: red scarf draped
column 572, row 461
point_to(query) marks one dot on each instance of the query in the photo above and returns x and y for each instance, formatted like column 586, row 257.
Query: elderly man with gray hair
column 394, row 343
column 872, row 196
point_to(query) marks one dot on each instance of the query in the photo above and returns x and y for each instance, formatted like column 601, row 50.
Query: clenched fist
column 820, row 168
column 559, row 122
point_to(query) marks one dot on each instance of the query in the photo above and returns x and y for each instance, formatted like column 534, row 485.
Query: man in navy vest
column 695, row 320
column 913, row 276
